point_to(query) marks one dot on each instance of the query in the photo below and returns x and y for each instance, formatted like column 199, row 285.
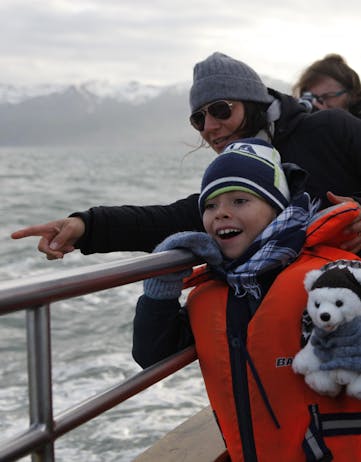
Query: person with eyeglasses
column 228, row 101
column 330, row 83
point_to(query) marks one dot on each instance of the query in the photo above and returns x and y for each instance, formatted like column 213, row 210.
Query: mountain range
column 97, row 113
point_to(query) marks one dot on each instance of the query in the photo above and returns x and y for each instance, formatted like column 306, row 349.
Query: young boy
column 262, row 237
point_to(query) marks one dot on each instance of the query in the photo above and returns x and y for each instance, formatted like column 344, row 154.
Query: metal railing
column 35, row 295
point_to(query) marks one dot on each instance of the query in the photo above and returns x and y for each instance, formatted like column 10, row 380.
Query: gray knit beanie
column 222, row 77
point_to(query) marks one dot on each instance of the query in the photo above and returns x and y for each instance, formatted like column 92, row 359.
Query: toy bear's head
column 334, row 295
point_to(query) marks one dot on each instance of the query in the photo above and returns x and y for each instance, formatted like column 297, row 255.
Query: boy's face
column 234, row 219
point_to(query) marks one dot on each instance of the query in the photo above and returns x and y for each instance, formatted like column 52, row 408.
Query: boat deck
column 196, row 439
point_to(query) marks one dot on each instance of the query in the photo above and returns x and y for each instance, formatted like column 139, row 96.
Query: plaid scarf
column 276, row 247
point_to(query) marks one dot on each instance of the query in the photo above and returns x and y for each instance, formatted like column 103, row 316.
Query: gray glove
column 169, row 286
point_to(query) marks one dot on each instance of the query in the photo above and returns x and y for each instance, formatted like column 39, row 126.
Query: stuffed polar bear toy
column 331, row 358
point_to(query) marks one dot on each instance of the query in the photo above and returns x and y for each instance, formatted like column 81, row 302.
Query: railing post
column 40, row 377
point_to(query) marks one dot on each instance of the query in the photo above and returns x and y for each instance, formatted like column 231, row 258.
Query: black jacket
column 326, row 143
column 355, row 109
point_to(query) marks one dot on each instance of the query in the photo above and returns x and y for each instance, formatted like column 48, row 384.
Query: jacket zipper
column 239, row 376
column 241, row 395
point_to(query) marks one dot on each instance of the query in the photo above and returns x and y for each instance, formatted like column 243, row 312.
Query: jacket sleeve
column 351, row 141
column 346, row 134
column 136, row 228
column 160, row 329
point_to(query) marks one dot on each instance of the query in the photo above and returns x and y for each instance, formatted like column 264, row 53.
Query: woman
column 327, row 144
column 331, row 83
column 245, row 320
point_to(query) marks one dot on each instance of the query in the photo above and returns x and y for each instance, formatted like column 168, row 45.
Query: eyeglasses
column 219, row 110
column 325, row 96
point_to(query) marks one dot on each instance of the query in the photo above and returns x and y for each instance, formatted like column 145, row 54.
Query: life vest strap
column 259, row 384
column 341, row 424
column 346, row 423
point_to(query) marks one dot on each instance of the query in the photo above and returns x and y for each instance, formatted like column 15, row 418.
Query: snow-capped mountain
column 13, row 94
column 92, row 113
column 133, row 91
column 97, row 113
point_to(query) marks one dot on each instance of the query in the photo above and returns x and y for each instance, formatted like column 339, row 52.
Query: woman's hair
column 334, row 66
column 255, row 119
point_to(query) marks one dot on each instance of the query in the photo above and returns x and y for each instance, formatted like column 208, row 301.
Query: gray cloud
column 160, row 41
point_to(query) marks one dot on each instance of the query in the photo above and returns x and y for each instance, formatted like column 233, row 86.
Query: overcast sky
column 159, row 41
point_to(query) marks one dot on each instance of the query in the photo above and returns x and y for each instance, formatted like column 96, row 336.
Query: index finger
column 36, row 230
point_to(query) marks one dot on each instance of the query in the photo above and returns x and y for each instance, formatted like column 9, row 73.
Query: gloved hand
column 169, row 286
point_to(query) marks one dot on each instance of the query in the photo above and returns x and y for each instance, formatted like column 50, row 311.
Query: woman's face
column 234, row 219
column 219, row 132
column 326, row 89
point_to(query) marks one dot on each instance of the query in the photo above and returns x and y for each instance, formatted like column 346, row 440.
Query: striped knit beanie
column 251, row 165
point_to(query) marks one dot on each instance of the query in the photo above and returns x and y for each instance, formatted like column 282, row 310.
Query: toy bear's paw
column 305, row 361
column 323, row 383
column 354, row 388
column 344, row 377
column 299, row 365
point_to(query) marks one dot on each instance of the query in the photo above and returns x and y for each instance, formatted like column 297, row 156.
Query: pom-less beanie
column 221, row 77
column 337, row 278
column 251, row 165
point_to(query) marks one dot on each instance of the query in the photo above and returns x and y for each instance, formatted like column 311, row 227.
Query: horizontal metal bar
column 40, row 290
column 21, row 445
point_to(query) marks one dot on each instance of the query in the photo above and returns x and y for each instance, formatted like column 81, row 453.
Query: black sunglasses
column 219, row 110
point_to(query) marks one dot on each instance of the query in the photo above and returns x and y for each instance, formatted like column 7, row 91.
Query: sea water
column 91, row 335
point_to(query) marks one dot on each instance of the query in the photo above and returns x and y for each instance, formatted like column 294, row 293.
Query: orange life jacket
column 290, row 422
